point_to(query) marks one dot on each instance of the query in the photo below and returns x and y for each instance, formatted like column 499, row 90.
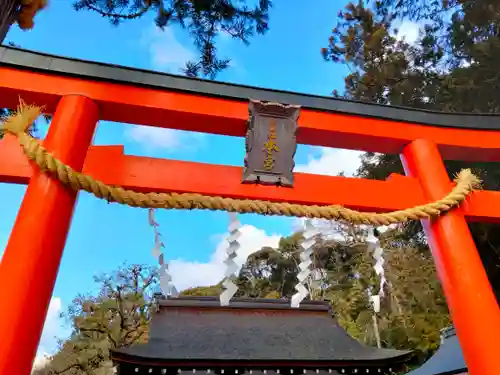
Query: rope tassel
column 19, row 123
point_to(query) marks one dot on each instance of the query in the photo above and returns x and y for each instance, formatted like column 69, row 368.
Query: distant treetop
column 204, row 20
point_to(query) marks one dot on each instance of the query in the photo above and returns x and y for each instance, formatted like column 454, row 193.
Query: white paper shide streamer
column 230, row 263
column 378, row 254
column 310, row 232
column 166, row 286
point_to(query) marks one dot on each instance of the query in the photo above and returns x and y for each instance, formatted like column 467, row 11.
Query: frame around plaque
column 271, row 143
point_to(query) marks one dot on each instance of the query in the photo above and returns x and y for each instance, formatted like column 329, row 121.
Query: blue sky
column 103, row 236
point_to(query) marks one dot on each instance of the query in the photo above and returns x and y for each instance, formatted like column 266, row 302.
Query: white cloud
column 41, row 361
column 166, row 54
column 52, row 330
column 153, row 138
column 187, row 274
column 165, row 51
column 331, row 162
column 409, row 31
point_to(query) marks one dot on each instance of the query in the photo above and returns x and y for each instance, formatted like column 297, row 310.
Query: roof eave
column 50, row 64
column 127, row 355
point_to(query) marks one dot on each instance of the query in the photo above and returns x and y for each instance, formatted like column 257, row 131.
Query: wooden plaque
column 271, row 143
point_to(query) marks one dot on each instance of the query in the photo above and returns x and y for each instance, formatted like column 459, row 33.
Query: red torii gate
column 80, row 93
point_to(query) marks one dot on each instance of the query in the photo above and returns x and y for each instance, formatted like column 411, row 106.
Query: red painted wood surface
column 146, row 106
column 110, row 165
column 32, row 256
column 472, row 303
column 30, row 263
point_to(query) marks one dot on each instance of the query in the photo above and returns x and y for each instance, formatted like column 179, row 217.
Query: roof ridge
column 242, row 303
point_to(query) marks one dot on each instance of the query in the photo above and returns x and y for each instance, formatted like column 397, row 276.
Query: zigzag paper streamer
column 305, row 263
column 231, row 266
column 378, row 254
column 166, row 286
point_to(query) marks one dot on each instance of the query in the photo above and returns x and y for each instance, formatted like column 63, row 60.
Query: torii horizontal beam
column 81, row 93
column 111, row 165
column 148, row 98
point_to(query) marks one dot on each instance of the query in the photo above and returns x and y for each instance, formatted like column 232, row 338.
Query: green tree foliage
column 203, row 291
column 452, row 67
column 117, row 316
column 413, row 311
column 205, row 20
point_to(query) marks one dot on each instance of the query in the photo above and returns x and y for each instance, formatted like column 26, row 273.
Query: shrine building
column 251, row 336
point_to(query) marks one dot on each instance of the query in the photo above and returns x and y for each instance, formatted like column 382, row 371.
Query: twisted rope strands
column 19, row 123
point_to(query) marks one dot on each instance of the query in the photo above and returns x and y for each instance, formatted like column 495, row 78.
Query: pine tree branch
column 118, row 15
column 69, row 367
column 103, row 331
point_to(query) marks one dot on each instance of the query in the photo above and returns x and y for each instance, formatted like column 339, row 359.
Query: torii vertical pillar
column 31, row 260
column 472, row 304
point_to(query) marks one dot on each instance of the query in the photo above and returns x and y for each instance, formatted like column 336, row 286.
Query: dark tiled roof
column 131, row 369
column 447, row 360
column 199, row 329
